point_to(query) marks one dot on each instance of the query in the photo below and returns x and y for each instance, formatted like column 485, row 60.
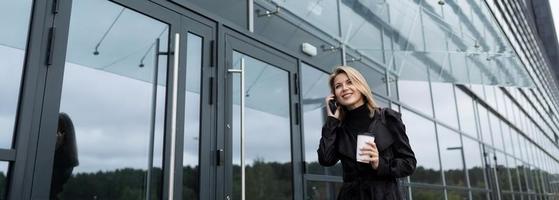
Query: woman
column 65, row 155
column 388, row 157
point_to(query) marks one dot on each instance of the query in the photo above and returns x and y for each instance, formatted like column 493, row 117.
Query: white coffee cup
column 361, row 142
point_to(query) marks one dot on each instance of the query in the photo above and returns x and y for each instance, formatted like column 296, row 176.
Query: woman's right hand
column 337, row 113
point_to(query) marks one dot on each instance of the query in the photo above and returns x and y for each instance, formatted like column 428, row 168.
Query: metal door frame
column 235, row 41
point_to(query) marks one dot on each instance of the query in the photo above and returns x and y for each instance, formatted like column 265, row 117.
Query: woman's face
column 346, row 93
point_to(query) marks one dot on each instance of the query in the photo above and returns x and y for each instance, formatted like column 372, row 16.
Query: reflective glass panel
column 361, row 26
column 506, row 196
column 15, row 17
column 322, row 190
column 502, row 171
column 497, row 127
column 466, row 113
column 375, row 78
column 426, row 194
column 113, row 97
column 454, row 194
column 485, row 129
column 480, row 195
column 421, row 134
column 521, row 167
column 474, row 162
column 321, row 14
column 416, row 94
column 515, row 175
column 191, row 170
column 445, row 105
column 314, row 89
column 451, row 156
column 268, row 130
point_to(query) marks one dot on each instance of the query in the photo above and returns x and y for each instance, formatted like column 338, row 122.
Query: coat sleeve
column 403, row 164
column 327, row 155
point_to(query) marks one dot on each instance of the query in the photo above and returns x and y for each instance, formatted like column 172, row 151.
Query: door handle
column 174, row 116
column 242, row 72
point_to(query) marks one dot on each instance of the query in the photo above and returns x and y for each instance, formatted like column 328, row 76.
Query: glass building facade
column 210, row 99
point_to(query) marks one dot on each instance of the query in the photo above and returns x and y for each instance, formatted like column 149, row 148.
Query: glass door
column 117, row 93
column 128, row 113
column 261, row 122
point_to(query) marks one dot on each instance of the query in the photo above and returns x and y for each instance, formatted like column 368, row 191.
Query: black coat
column 361, row 181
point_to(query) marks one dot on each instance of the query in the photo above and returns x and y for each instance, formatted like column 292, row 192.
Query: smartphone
column 333, row 105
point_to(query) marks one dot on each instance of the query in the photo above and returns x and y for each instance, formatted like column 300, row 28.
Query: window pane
column 474, row 162
column 315, row 88
column 322, row 14
column 502, row 171
column 268, row 131
column 480, row 195
column 119, row 118
column 322, row 190
column 485, row 129
column 426, row 194
column 457, row 194
column 375, row 78
column 506, row 196
column 416, row 94
column 13, row 43
column 515, row 175
column 522, row 173
column 445, row 106
column 466, row 113
column 498, row 127
column 363, row 31
column 421, row 133
column 451, row 157
column 191, row 171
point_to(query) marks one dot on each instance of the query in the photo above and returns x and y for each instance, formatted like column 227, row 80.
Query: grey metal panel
column 27, row 126
column 232, row 10
column 51, row 100
column 7, row 155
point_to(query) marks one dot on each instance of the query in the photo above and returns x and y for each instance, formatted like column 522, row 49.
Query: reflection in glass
column 362, row 30
column 191, row 171
column 322, row 190
column 3, row 179
column 451, row 156
column 480, row 195
column 445, row 106
column 515, row 175
column 502, row 171
column 375, row 78
column 485, row 129
column 474, row 162
column 268, row 134
column 15, row 17
column 416, row 94
column 454, row 194
column 322, row 14
column 421, row 133
column 426, row 194
column 466, row 113
column 315, row 88
column 116, row 101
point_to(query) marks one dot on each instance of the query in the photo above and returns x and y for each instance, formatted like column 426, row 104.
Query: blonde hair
column 359, row 83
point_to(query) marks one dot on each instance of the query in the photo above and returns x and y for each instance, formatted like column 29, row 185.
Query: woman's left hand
column 371, row 151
